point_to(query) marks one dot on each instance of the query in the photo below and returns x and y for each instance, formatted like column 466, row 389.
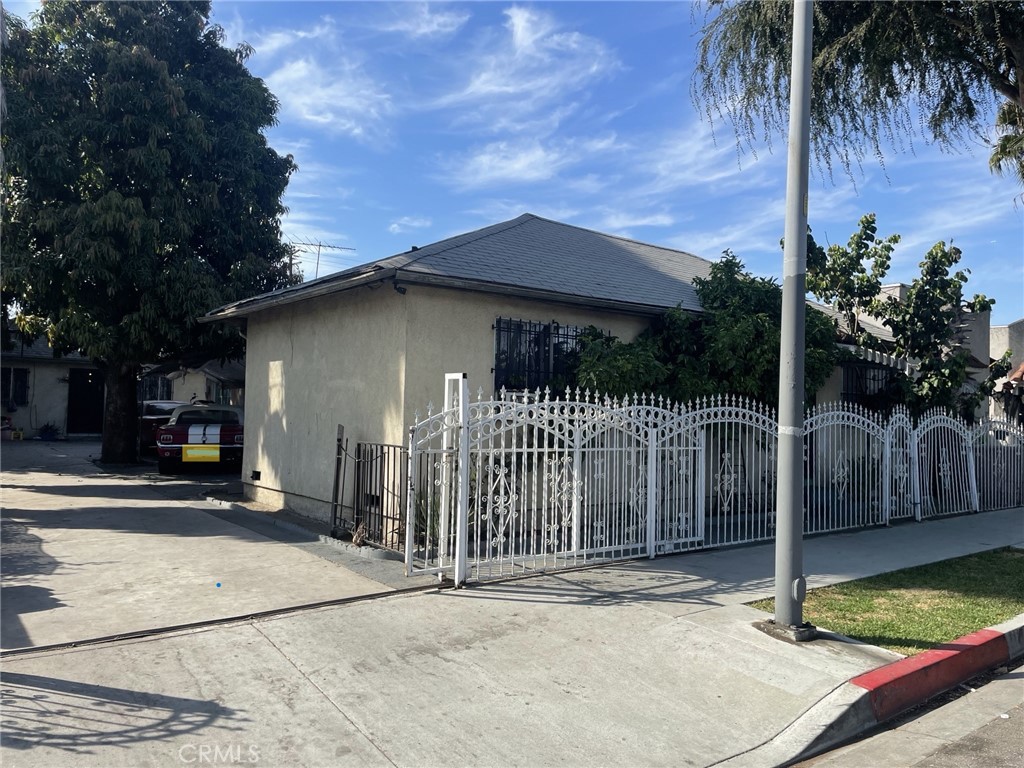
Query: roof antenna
column 307, row 246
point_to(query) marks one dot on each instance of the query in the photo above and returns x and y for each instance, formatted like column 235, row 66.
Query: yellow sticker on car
column 200, row 453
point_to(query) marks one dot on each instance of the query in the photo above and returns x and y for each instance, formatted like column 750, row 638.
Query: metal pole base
column 800, row 633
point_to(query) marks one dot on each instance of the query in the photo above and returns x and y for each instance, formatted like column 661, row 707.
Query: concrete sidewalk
column 643, row 664
column 89, row 552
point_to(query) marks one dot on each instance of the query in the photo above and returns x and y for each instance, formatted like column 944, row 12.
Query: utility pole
column 307, row 246
column 790, row 584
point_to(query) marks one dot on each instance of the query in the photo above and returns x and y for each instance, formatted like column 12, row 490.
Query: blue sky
column 412, row 122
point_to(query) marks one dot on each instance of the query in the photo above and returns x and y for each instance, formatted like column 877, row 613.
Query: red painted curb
column 908, row 682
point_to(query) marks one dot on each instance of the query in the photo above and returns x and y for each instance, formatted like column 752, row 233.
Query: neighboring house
column 212, row 380
column 865, row 376
column 42, row 388
column 1008, row 399
column 368, row 347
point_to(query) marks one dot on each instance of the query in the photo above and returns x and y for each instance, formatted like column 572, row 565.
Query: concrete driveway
column 88, row 552
column 648, row 663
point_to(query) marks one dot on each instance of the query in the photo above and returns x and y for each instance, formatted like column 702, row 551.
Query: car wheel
column 167, row 466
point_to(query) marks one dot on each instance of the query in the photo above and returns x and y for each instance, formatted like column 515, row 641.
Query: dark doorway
column 85, row 401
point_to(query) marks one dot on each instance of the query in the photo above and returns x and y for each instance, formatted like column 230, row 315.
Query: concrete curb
column 868, row 700
column 370, row 553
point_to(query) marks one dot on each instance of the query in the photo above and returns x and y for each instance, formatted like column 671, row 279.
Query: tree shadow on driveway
column 79, row 718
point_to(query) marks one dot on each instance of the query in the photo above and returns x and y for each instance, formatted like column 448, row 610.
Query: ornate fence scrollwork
column 528, row 482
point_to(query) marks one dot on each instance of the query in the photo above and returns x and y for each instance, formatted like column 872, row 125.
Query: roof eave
column 500, row 289
column 241, row 310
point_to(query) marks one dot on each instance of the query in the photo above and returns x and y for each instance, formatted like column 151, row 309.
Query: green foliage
column 928, row 328
column 850, row 278
column 139, row 189
column 877, row 66
column 1008, row 148
column 733, row 347
column 607, row 365
column 927, row 325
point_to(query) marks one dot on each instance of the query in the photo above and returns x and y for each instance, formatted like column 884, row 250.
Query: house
column 42, row 388
column 367, row 347
column 1008, row 399
column 214, row 380
column 865, row 375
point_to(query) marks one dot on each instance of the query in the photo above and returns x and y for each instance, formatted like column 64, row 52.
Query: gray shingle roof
column 38, row 349
column 528, row 254
column 531, row 252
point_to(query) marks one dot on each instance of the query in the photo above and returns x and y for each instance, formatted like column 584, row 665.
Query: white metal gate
column 530, row 482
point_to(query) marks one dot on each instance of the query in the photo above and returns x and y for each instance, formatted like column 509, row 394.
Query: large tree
column 881, row 71
column 139, row 190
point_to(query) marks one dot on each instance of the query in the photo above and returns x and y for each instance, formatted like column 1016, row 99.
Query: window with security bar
column 15, row 387
column 871, row 385
column 534, row 355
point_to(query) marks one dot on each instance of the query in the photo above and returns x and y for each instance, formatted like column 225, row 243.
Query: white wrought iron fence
column 526, row 483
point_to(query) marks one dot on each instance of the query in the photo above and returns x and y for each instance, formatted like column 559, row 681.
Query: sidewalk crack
column 324, row 693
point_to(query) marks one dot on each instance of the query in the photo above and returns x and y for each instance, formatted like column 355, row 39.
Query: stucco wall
column 368, row 359
column 1004, row 337
column 189, row 385
column 977, row 335
column 47, row 395
column 309, row 367
column 452, row 331
column 832, row 390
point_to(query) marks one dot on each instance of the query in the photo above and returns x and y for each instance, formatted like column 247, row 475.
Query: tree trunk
column 120, row 414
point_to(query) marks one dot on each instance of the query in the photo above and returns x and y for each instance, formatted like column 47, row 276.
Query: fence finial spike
column 501, row 392
column 479, row 393
column 416, row 416
column 547, row 393
column 430, row 409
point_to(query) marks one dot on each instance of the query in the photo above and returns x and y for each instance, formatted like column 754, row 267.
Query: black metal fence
column 381, row 479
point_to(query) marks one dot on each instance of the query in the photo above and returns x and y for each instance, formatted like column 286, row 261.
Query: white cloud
column 419, row 20
column 271, row 43
column 522, row 161
column 405, row 223
column 510, row 162
column 532, row 69
column 342, row 99
column 752, row 234
column 618, row 221
column 689, row 158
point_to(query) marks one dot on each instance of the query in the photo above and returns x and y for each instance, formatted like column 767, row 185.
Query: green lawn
column 915, row 609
